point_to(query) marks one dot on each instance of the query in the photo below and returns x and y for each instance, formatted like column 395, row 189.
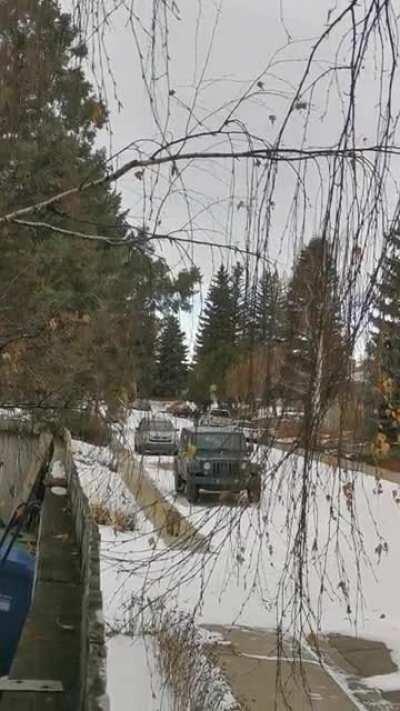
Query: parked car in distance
column 156, row 435
column 216, row 417
column 215, row 459
column 182, row 409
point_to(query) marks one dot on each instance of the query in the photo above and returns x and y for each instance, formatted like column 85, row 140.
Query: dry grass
column 189, row 668
column 119, row 520
column 287, row 429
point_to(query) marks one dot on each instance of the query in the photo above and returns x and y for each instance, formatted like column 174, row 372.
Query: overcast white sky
column 215, row 51
column 248, row 36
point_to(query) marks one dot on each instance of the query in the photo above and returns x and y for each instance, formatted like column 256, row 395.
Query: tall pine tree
column 67, row 316
column 270, row 309
column 255, row 372
column 71, row 310
column 237, row 301
column 172, row 359
column 385, row 349
column 216, row 339
column 156, row 292
column 316, row 360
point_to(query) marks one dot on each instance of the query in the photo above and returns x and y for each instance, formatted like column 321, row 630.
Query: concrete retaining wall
column 22, row 454
column 64, row 636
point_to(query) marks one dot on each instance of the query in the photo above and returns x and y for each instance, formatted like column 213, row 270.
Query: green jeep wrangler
column 216, row 459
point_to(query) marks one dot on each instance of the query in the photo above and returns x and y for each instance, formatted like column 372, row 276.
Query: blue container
column 16, row 582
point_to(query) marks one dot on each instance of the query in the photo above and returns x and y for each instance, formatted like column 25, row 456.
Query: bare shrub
column 119, row 520
column 90, row 427
column 192, row 672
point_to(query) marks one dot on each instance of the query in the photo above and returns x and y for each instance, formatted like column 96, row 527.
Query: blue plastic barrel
column 16, row 581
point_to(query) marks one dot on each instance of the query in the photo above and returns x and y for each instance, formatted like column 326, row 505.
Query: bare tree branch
column 138, row 241
column 287, row 155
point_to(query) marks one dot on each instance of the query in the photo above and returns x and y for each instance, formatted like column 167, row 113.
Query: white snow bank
column 134, row 681
column 100, row 482
column 132, row 669
column 384, row 682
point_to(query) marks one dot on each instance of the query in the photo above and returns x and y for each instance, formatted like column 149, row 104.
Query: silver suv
column 156, row 435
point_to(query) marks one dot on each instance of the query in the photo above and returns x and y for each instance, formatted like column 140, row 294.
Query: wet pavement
column 263, row 679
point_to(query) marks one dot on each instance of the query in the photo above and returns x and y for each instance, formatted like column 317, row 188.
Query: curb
column 172, row 525
column 343, row 462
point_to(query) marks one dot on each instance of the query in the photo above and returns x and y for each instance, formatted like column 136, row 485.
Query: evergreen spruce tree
column 216, row 339
column 71, row 310
column 270, row 309
column 248, row 310
column 145, row 346
column 67, row 315
column 237, row 303
column 385, row 349
column 172, row 359
column 316, row 361
column 156, row 292
column 268, row 333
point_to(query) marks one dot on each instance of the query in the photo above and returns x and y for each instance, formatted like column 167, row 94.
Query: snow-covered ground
column 349, row 542
column 133, row 676
column 355, row 554
column 98, row 477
